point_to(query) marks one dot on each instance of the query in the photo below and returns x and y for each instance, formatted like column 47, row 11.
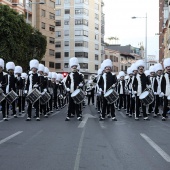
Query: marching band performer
column 107, row 81
column 33, row 81
column 54, row 89
column 3, row 84
column 74, row 80
column 20, row 87
column 157, row 87
column 12, row 82
column 165, row 87
column 121, row 91
column 140, row 83
column 90, row 91
column 51, row 92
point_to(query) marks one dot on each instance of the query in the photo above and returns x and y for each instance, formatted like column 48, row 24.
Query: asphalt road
column 54, row 144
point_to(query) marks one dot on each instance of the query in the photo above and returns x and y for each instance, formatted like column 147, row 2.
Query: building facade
column 79, row 30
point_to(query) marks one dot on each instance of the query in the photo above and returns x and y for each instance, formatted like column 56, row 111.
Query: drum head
column 108, row 92
column 75, row 92
column 143, row 95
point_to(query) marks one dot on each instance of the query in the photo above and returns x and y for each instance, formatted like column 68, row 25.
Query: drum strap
column 7, row 87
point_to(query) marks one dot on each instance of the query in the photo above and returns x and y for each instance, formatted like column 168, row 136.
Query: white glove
column 68, row 89
column 35, row 85
column 45, row 90
column 161, row 94
column 81, row 85
column 0, row 85
column 25, row 91
column 155, row 93
column 148, row 86
column 18, row 78
column 113, row 85
column 134, row 92
column 130, row 92
column 100, row 90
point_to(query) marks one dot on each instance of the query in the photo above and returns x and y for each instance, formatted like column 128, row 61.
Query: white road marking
column 84, row 121
column 10, row 137
column 102, row 125
column 54, row 114
column 77, row 161
column 122, row 114
column 156, row 147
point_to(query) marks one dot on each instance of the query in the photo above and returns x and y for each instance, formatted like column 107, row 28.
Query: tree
column 19, row 42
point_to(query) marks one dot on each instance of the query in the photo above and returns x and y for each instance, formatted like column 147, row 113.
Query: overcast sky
column 118, row 22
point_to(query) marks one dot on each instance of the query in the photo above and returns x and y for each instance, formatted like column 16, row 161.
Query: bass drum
column 78, row 96
column 111, row 96
column 146, row 98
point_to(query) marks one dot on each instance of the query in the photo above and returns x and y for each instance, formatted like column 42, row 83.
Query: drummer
column 74, row 80
column 140, row 83
column 106, row 82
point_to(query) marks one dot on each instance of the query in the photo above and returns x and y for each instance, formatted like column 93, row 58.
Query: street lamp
column 26, row 7
column 145, row 38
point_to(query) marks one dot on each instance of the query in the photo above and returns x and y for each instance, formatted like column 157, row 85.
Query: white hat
column 126, row 77
column 134, row 67
column 34, row 64
column 18, row 69
column 78, row 67
column 24, row 75
column 151, row 69
column 147, row 72
column 53, row 75
column 49, row 74
column 158, row 67
column 140, row 63
column 1, row 63
column 166, row 62
column 10, row 66
column 30, row 72
column 46, row 70
column 57, row 77
column 41, row 67
column 61, row 76
column 129, row 70
column 121, row 74
column 73, row 62
column 99, row 71
column 107, row 63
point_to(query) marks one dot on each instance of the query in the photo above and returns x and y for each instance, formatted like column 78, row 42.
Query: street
column 55, row 144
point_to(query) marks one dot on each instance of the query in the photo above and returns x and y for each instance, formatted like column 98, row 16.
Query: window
column 51, row 28
column 66, row 65
column 82, row 1
column 42, row 25
column 96, row 46
column 58, row 33
column 58, row 23
column 84, row 65
column 67, row 1
column 97, row 16
column 66, row 32
column 58, row 12
column 57, row 55
column 97, row 26
column 43, row 62
column 81, row 33
column 111, row 58
column 58, row 44
column 97, row 6
column 66, row 54
column 57, row 65
column 125, row 68
column 66, row 43
column 81, row 22
column 51, row 52
column 43, row 13
column 66, row 22
column 81, row 44
column 115, row 59
column 81, row 11
column 58, row 2
column 67, row 11
column 81, row 54
column 96, row 57
column 51, row 64
column 121, row 67
column 52, row 16
column 96, row 37
column 96, row 67
column 52, row 4
column 51, row 40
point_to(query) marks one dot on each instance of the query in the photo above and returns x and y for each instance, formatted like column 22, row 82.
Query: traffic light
column 65, row 74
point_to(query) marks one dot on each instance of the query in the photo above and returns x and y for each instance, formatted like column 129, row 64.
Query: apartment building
column 79, row 30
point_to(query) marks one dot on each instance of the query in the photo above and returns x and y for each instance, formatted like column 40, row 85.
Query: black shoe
column 114, row 119
column 28, row 119
column 67, row 119
column 37, row 119
column 79, row 119
column 101, row 119
column 15, row 116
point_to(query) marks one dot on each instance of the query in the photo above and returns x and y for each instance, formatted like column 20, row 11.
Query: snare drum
column 146, row 98
column 78, row 96
column 45, row 97
column 2, row 97
column 111, row 96
column 33, row 96
column 11, row 97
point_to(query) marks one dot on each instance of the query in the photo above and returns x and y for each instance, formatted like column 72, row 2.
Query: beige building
column 79, row 29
